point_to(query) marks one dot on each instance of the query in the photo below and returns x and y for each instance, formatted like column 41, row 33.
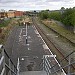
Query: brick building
column 11, row 14
column 18, row 13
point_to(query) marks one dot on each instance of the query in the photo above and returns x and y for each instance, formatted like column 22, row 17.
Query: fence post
column 3, row 61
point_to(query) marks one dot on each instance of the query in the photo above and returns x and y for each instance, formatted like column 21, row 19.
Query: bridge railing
column 7, row 67
column 64, row 67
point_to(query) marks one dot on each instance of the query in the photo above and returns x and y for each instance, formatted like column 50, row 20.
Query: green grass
column 66, row 33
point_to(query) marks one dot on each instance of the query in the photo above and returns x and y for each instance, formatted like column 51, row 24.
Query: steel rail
column 42, row 33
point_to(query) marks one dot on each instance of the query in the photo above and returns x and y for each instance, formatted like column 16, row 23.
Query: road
column 30, row 54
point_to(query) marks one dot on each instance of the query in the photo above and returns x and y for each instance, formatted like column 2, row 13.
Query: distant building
column 31, row 13
column 11, row 14
column 3, row 14
column 18, row 13
column 24, row 13
column 0, row 14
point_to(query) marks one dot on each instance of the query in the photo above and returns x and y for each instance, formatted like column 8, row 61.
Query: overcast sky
column 36, row 4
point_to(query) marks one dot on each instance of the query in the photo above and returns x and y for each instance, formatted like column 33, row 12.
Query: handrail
column 1, row 60
column 10, row 59
column 4, row 65
column 64, row 67
column 2, row 71
column 18, row 66
column 63, row 59
column 10, row 69
column 61, row 68
column 48, row 68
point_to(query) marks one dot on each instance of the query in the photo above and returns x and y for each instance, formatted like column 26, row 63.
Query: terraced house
column 14, row 13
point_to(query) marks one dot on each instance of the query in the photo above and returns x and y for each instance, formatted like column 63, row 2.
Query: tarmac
column 28, row 45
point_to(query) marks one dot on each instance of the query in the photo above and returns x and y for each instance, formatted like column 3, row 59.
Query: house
column 11, row 13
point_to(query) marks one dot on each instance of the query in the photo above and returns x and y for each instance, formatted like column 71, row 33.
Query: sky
column 26, row 5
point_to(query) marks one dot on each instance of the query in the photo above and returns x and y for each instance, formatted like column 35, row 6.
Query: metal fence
column 64, row 67
column 7, row 67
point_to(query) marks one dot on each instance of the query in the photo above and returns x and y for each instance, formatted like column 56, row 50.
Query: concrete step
column 33, row 73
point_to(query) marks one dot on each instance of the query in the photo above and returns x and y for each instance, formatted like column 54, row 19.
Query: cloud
column 36, row 4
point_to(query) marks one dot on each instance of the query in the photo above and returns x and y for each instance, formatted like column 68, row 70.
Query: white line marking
column 38, row 36
column 27, row 44
column 45, row 46
column 29, row 49
column 24, row 35
column 36, row 31
column 22, row 59
column 51, row 53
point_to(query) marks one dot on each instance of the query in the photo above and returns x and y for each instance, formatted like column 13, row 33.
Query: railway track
column 54, row 49
column 60, row 34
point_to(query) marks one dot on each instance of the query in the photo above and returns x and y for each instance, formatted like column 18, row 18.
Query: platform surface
column 33, row 73
column 30, row 54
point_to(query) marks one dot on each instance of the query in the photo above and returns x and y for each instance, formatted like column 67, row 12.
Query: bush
column 68, row 17
column 56, row 15
column 44, row 14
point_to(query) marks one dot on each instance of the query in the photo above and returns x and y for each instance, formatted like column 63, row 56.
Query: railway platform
column 28, row 54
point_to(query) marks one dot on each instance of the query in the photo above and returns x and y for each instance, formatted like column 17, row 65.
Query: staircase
column 33, row 73
column 7, row 67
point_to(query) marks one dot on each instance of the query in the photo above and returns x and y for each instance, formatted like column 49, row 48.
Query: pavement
column 34, row 73
column 30, row 54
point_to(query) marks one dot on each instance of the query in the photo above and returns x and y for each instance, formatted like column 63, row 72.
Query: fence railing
column 7, row 67
column 61, row 68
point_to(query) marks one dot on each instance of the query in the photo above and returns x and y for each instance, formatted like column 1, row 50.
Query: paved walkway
column 34, row 73
column 30, row 54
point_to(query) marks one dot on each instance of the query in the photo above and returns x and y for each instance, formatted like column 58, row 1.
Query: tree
column 73, row 20
column 62, row 10
column 67, row 14
column 74, row 8
column 56, row 15
column 44, row 14
column 68, row 17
